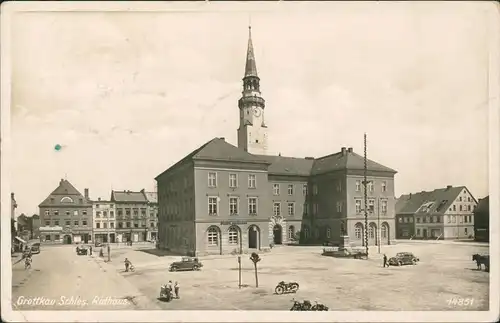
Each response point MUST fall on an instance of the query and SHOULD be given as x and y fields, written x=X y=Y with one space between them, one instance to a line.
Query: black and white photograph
x=250 y=159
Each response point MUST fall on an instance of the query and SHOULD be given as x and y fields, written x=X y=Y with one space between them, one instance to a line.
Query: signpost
x=239 y=271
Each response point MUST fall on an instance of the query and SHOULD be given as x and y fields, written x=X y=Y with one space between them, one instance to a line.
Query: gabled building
x=445 y=213
x=66 y=215
x=131 y=215
x=221 y=198
x=482 y=220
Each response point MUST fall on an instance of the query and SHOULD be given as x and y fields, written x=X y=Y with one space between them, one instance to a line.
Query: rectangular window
x=47 y=223
x=47 y=212
x=468 y=207
x=104 y=225
x=233 y=205
x=454 y=207
x=371 y=205
x=465 y=230
x=76 y=222
x=233 y=180
x=212 y=206
x=339 y=206
x=127 y=212
x=411 y=220
x=120 y=225
x=358 y=206
x=84 y=223
x=290 y=189
x=56 y=222
x=252 y=205
x=252 y=181
x=136 y=212
x=276 y=189
x=383 y=206
x=358 y=186
x=105 y=214
x=212 y=179
x=75 y=213
x=424 y=219
x=315 y=189
x=98 y=225
x=438 y=219
x=57 y=237
x=460 y=207
x=306 y=209
x=291 y=208
x=315 y=208
x=67 y=213
x=47 y=237
x=68 y=222
x=128 y=224
x=112 y=225
x=98 y=214
x=418 y=232
x=120 y=212
x=136 y=225
x=418 y=220
x=56 y=212
x=277 y=208
x=304 y=189
x=111 y=214
x=384 y=186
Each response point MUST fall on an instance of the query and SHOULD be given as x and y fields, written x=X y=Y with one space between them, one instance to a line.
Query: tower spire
x=250 y=66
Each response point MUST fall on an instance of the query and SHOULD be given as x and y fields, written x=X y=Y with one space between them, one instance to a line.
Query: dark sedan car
x=81 y=250
x=186 y=263
x=403 y=258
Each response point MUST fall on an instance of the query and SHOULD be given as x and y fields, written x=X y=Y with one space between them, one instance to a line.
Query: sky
x=128 y=94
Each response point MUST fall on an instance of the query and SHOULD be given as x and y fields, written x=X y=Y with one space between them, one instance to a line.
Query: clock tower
x=252 y=133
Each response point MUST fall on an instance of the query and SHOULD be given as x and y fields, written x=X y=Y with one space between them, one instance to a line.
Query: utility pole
x=239 y=272
x=365 y=184
x=378 y=225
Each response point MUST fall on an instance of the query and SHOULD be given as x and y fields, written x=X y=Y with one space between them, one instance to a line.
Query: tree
x=255 y=259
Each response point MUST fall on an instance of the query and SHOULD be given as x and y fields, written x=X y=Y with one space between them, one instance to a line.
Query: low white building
x=104 y=221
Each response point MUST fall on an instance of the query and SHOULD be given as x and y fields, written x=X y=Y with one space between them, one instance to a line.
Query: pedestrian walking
x=90 y=250
x=385 y=261
x=176 y=289
x=127 y=264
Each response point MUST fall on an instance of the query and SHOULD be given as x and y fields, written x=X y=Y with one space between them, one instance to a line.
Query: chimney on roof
x=349 y=150
x=86 y=193
x=62 y=180
x=343 y=150
x=448 y=187
x=98 y=198
x=222 y=138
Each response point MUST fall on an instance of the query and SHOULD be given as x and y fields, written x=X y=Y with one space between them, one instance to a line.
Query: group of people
x=169 y=288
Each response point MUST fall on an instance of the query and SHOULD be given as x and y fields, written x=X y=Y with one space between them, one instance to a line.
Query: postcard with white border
x=246 y=161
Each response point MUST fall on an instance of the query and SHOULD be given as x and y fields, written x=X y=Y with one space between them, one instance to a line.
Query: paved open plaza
x=444 y=275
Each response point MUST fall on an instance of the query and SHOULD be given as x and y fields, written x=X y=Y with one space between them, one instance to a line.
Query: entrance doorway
x=277 y=234
x=424 y=233
x=67 y=239
x=253 y=237
x=112 y=237
x=86 y=238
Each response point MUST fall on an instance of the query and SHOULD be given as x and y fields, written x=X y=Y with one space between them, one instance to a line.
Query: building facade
x=104 y=221
x=482 y=220
x=152 y=198
x=445 y=213
x=66 y=215
x=222 y=198
x=132 y=216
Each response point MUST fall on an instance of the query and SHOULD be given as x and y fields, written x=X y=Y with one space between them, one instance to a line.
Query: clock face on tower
x=256 y=112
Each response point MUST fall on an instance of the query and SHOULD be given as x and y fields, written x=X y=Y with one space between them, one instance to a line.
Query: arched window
x=328 y=233
x=213 y=237
x=371 y=231
x=358 y=231
x=291 y=232
x=233 y=236
x=66 y=199
x=384 y=230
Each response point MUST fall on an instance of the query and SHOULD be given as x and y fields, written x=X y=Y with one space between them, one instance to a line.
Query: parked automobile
x=82 y=250
x=403 y=258
x=34 y=246
x=186 y=263
x=344 y=253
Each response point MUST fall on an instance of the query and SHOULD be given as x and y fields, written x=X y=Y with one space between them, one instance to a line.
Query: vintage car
x=403 y=258
x=186 y=263
x=344 y=253
x=34 y=246
x=82 y=250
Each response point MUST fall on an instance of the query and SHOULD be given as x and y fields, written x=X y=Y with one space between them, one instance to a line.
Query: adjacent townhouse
x=66 y=215
x=482 y=220
x=132 y=216
x=104 y=221
x=445 y=213
x=152 y=198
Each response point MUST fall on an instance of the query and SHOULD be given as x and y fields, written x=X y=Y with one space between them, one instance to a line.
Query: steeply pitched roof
x=442 y=199
x=346 y=160
x=250 y=66
x=65 y=188
x=218 y=149
x=483 y=206
x=128 y=196
x=288 y=165
x=152 y=197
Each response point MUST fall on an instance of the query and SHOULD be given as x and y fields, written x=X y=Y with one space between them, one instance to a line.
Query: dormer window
x=66 y=199
x=426 y=207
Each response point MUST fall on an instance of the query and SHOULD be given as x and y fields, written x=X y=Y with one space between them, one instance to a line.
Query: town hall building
x=223 y=198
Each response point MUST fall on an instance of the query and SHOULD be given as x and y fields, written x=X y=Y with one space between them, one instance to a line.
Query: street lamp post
x=365 y=184
x=378 y=226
